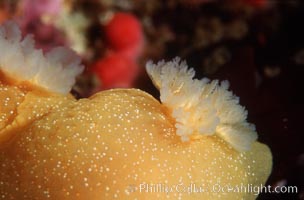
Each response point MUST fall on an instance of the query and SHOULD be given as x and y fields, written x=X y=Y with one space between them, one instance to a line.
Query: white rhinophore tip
x=201 y=107
x=54 y=71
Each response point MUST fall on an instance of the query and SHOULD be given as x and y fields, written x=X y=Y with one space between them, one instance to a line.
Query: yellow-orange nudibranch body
x=122 y=143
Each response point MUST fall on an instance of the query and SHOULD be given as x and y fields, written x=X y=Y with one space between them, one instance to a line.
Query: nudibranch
x=121 y=143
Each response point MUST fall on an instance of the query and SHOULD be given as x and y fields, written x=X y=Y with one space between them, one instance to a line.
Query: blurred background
x=258 y=45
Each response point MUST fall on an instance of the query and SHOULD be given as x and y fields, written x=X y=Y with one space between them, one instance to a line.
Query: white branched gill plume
x=54 y=71
x=201 y=107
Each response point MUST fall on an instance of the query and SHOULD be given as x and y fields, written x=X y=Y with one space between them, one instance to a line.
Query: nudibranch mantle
x=201 y=107
x=56 y=147
x=54 y=71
